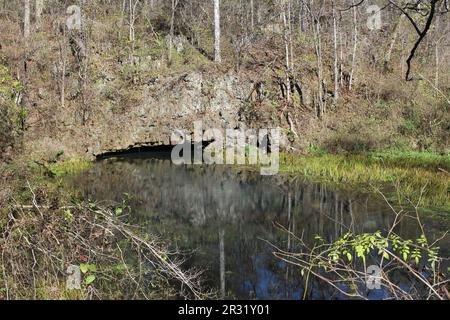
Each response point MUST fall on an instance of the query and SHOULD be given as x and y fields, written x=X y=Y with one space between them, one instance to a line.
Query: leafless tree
x=39 y=7
x=26 y=19
x=423 y=9
x=355 y=45
x=172 y=22
x=336 y=72
x=415 y=11
x=287 y=45
x=217 y=37
x=132 y=17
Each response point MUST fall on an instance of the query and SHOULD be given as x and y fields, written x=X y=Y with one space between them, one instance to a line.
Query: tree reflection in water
x=209 y=209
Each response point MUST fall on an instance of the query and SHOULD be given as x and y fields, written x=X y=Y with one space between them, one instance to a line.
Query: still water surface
x=225 y=217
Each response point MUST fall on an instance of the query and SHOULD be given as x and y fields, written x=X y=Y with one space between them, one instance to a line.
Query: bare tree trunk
x=26 y=19
x=422 y=34
x=318 y=48
x=252 y=10
x=131 y=28
x=132 y=20
x=217 y=54
x=394 y=39
x=26 y=34
x=341 y=58
x=286 y=46
x=122 y=19
x=355 y=44
x=336 y=72
x=291 y=46
x=436 y=48
x=39 y=7
x=315 y=24
x=436 y=76
x=301 y=25
x=62 y=69
x=402 y=63
x=172 y=26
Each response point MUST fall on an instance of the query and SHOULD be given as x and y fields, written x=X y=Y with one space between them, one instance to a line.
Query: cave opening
x=160 y=151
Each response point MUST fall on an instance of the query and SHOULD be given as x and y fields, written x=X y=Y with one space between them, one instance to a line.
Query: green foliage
x=89 y=270
x=316 y=150
x=363 y=245
x=408 y=126
x=124 y=206
x=85 y=268
x=411 y=159
x=8 y=86
x=69 y=167
x=89 y=279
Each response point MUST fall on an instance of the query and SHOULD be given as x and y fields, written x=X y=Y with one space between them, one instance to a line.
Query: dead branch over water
x=40 y=241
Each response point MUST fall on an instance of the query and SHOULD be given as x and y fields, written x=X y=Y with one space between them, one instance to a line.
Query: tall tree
x=217 y=53
x=39 y=7
x=336 y=72
x=423 y=10
x=416 y=11
x=252 y=13
x=355 y=44
x=132 y=25
x=315 y=14
x=172 y=27
x=26 y=19
x=285 y=14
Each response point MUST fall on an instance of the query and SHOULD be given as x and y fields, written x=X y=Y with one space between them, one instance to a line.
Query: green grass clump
x=412 y=174
x=69 y=167
x=411 y=159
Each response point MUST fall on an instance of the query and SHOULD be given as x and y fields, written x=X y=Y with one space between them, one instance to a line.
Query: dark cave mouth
x=163 y=151
x=159 y=151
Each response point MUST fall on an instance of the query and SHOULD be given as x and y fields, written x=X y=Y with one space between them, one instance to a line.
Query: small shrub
x=408 y=126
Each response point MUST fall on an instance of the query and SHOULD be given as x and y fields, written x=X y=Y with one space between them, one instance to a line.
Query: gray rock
x=172 y=103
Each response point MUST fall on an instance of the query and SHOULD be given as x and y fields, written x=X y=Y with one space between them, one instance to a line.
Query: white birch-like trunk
x=355 y=44
x=252 y=9
x=336 y=72
x=26 y=19
x=286 y=46
x=39 y=7
x=394 y=39
x=341 y=57
x=217 y=53
x=172 y=25
x=436 y=76
x=318 y=46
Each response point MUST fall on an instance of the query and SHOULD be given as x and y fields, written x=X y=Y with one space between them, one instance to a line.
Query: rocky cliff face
x=158 y=107
x=168 y=105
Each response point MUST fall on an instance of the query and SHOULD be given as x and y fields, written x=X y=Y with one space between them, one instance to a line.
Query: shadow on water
x=224 y=217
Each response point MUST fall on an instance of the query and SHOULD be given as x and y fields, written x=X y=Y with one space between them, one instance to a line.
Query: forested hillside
x=337 y=75
x=93 y=205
